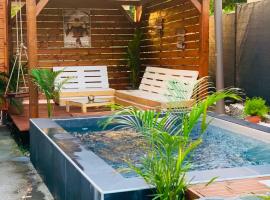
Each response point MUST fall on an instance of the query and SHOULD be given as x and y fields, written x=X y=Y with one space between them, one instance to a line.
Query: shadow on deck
x=22 y=121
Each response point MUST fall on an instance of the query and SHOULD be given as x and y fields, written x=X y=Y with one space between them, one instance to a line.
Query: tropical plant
x=169 y=143
x=265 y=197
x=228 y=5
x=45 y=79
x=183 y=90
x=256 y=106
x=133 y=58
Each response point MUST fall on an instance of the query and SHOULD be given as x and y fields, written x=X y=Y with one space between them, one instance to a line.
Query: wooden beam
x=138 y=13
x=204 y=38
x=6 y=6
x=134 y=3
x=126 y=14
x=197 y=4
x=41 y=4
x=31 y=18
x=143 y=2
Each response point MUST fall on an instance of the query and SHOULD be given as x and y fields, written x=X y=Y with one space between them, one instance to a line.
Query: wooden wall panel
x=3 y=36
x=162 y=51
x=110 y=32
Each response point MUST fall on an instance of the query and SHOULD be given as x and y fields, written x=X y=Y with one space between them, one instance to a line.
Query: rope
x=21 y=50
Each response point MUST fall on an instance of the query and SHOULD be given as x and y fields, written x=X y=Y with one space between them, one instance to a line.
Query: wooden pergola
x=34 y=8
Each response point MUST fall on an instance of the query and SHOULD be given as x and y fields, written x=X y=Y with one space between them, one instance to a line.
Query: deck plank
x=22 y=121
x=232 y=188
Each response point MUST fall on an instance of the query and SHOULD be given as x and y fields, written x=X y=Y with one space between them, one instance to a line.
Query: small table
x=85 y=103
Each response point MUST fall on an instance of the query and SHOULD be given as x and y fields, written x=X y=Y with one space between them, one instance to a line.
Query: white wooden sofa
x=84 y=81
x=153 y=91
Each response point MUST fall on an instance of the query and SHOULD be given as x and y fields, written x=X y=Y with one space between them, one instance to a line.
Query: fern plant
x=256 y=107
x=170 y=145
x=133 y=58
x=45 y=79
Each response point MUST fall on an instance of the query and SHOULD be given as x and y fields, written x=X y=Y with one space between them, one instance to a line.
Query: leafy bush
x=228 y=5
x=256 y=107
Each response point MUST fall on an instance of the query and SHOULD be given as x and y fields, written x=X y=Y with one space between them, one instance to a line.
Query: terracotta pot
x=254 y=119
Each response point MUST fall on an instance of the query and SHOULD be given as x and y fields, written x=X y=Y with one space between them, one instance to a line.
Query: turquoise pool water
x=220 y=148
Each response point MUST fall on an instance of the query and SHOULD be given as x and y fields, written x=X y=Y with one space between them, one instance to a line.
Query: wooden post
x=138 y=13
x=9 y=35
x=32 y=55
x=204 y=38
x=6 y=57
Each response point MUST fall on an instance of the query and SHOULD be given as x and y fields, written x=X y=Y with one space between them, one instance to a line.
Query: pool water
x=225 y=149
x=220 y=148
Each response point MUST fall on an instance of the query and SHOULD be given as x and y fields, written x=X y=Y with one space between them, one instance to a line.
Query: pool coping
x=240 y=122
x=194 y=176
x=225 y=174
x=138 y=181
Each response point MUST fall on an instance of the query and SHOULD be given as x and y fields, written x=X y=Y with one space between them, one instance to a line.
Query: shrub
x=256 y=107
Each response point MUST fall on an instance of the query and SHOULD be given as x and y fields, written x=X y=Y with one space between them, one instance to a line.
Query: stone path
x=18 y=179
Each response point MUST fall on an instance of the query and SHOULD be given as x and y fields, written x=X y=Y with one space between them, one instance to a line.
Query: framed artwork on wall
x=77 y=28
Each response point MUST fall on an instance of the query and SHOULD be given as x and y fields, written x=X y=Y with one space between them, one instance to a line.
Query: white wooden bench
x=153 y=91
x=84 y=81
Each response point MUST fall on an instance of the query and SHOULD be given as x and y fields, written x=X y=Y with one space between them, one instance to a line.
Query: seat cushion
x=147 y=100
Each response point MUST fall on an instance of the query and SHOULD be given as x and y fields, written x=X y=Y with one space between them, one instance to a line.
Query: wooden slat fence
x=162 y=51
x=110 y=32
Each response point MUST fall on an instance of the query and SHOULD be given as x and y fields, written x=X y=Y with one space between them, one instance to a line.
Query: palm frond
x=46 y=81
x=168 y=137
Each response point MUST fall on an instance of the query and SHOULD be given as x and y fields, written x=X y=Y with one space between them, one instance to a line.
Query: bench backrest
x=156 y=80
x=83 y=78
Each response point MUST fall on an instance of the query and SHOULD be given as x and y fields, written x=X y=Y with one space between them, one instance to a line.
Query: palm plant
x=182 y=90
x=45 y=79
x=170 y=145
x=133 y=57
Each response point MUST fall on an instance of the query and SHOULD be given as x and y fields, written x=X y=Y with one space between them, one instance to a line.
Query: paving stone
x=18 y=178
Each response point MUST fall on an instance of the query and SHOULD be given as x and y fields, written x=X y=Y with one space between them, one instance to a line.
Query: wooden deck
x=233 y=188
x=22 y=121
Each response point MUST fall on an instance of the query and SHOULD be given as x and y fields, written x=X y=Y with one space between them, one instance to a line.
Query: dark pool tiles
x=78 y=187
x=130 y=195
x=59 y=175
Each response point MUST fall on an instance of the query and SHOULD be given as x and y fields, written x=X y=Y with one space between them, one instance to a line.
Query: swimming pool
x=221 y=148
x=229 y=151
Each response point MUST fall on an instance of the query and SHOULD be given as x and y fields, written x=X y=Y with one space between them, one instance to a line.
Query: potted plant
x=45 y=79
x=255 y=109
x=133 y=58
x=14 y=105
